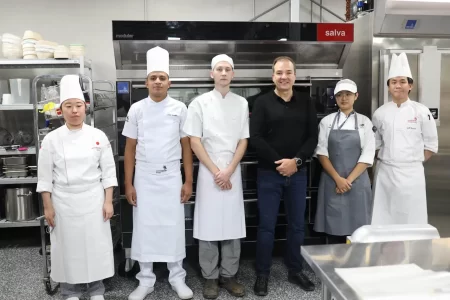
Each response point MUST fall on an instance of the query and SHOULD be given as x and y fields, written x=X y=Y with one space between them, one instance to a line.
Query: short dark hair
x=148 y=75
x=85 y=106
x=410 y=81
x=283 y=58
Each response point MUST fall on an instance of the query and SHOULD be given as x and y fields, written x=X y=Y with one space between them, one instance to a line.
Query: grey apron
x=342 y=214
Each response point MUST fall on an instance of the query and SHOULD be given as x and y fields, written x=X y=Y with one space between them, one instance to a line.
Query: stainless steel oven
x=253 y=47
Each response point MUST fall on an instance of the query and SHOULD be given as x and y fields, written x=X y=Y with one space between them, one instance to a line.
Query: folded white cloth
x=397 y=282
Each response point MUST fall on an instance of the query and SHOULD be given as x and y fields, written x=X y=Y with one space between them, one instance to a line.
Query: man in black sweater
x=284 y=133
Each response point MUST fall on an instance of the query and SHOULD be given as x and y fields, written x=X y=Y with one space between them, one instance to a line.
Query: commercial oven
x=253 y=47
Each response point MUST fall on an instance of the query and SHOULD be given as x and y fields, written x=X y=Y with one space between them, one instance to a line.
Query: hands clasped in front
x=287 y=167
x=343 y=185
x=222 y=179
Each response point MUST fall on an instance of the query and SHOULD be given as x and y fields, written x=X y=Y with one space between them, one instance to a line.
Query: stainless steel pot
x=21 y=205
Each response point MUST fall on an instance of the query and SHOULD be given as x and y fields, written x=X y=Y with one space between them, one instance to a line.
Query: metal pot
x=14 y=160
x=20 y=205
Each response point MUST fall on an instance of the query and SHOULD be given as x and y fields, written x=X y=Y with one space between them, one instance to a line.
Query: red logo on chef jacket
x=413 y=120
x=335 y=32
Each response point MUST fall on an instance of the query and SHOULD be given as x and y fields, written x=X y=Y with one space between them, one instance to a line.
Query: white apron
x=399 y=194
x=158 y=218
x=81 y=242
x=219 y=214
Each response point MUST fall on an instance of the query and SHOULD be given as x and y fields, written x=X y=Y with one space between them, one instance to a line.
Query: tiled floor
x=21 y=279
x=21 y=273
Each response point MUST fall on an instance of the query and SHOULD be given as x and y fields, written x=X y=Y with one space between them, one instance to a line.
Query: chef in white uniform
x=406 y=137
x=346 y=148
x=217 y=124
x=155 y=145
x=76 y=176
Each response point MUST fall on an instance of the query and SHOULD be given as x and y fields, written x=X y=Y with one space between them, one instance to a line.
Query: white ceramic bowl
x=11 y=38
x=30 y=57
x=31 y=35
x=12 y=54
x=44 y=55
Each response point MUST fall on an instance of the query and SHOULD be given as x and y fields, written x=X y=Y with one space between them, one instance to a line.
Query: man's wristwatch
x=298 y=161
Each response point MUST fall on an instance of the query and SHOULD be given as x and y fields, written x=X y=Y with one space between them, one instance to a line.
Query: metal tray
x=14 y=160
x=15 y=174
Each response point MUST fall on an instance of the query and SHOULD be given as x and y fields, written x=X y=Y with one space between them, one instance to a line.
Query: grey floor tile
x=21 y=276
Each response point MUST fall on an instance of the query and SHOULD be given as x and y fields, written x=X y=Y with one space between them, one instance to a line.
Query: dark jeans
x=271 y=188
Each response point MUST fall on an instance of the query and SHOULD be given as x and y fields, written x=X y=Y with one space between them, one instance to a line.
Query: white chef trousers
x=147 y=278
x=95 y=288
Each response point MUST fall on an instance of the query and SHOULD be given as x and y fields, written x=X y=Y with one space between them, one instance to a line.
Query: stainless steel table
x=323 y=259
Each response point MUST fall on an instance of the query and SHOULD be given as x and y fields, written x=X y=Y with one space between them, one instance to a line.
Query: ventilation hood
x=318 y=49
x=412 y=18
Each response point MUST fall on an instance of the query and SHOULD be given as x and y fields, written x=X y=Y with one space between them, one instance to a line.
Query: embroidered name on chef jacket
x=411 y=124
x=164 y=169
x=413 y=120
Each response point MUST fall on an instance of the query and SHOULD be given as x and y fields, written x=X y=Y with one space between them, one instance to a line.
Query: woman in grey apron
x=345 y=150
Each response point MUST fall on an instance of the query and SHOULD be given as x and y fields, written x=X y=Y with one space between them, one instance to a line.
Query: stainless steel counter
x=323 y=259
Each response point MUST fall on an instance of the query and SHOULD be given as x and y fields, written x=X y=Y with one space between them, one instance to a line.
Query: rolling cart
x=50 y=288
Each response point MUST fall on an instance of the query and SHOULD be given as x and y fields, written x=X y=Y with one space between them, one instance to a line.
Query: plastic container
x=20 y=90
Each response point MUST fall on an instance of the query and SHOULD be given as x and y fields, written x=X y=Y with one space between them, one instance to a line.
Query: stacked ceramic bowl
x=62 y=52
x=11 y=46
x=76 y=50
x=29 y=41
x=45 y=49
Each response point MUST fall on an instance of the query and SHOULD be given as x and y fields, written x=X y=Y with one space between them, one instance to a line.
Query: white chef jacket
x=54 y=165
x=403 y=133
x=219 y=121
x=366 y=135
x=156 y=146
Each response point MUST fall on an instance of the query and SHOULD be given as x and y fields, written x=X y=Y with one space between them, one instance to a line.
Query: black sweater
x=280 y=129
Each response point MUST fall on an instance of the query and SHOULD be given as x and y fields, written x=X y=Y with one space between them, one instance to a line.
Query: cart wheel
x=48 y=288
x=131 y=273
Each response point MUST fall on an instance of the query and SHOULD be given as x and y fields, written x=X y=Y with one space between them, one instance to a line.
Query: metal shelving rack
x=81 y=64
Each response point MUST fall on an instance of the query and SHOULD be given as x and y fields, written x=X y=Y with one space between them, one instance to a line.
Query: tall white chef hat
x=345 y=85
x=399 y=66
x=157 y=60
x=70 y=88
x=221 y=57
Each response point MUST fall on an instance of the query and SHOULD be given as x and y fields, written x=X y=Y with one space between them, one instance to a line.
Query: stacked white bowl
x=61 y=52
x=45 y=49
x=29 y=41
x=76 y=50
x=11 y=46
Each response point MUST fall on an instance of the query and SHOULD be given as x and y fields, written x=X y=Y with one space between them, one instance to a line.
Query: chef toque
x=70 y=89
x=399 y=66
x=157 y=60
x=345 y=85
x=219 y=58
